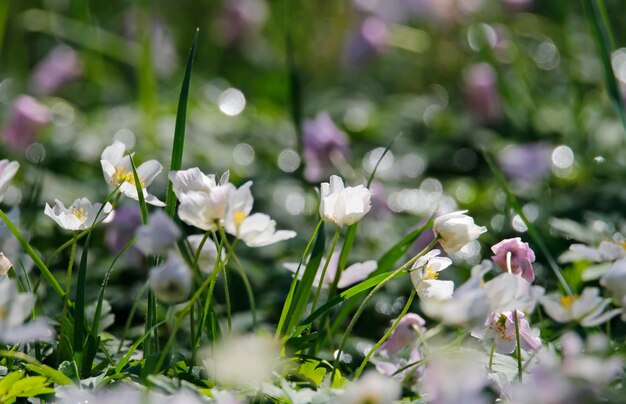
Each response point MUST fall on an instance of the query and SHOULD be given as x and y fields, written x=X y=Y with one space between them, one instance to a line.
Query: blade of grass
x=120 y=365
x=179 y=130
x=532 y=230
x=595 y=13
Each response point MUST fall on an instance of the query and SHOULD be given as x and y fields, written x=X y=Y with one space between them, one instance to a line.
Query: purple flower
x=27 y=117
x=500 y=327
x=526 y=163
x=520 y=257
x=121 y=230
x=239 y=19
x=322 y=141
x=369 y=40
x=404 y=335
x=61 y=65
x=481 y=91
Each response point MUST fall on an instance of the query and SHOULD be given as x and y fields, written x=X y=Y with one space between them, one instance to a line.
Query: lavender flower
x=481 y=90
x=517 y=255
x=526 y=164
x=27 y=117
x=368 y=41
x=321 y=140
x=61 y=65
x=404 y=335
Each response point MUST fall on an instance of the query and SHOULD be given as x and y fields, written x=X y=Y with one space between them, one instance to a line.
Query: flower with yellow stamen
x=80 y=215
x=425 y=276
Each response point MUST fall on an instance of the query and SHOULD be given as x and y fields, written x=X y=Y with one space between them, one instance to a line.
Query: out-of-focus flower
x=607 y=251
x=322 y=143
x=372 y=388
x=239 y=19
x=7 y=172
x=392 y=366
x=501 y=328
x=527 y=163
x=243 y=361
x=517 y=5
x=118 y=171
x=171 y=281
x=5 y=264
x=481 y=90
x=405 y=334
x=80 y=215
x=61 y=65
x=343 y=205
x=15 y=308
x=508 y=292
x=158 y=235
x=353 y=274
x=27 y=117
x=586 y=309
x=514 y=255
x=203 y=201
x=425 y=274
x=454 y=378
x=456 y=229
x=580 y=365
x=468 y=306
x=615 y=281
x=121 y=229
x=123 y=393
x=369 y=40
x=208 y=254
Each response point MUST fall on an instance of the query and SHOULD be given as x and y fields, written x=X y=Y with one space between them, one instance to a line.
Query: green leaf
x=179 y=130
x=52 y=374
x=312 y=371
x=133 y=348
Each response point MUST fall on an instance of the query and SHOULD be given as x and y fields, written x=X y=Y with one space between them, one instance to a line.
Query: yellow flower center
x=430 y=274
x=567 y=301
x=3 y=313
x=123 y=175
x=79 y=213
x=238 y=217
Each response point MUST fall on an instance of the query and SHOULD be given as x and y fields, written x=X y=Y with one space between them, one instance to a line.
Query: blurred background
x=287 y=93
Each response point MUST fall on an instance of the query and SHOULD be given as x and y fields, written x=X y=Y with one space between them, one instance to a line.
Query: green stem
x=370 y=295
x=229 y=319
x=493 y=349
x=68 y=279
x=328 y=258
x=65 y=245
x=386 y=336
x=519 y=347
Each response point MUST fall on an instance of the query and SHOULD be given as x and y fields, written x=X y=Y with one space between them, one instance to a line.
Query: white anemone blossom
x=586 y=309
x=425 y=274
x=343 y=205
x=15 y=308
x=208 y=253
x=80 y=215
x=7 y=172
x=351 y=275
x=456 y=229
x=119 y=172
x=171 y=281
x=203 y=201
x=5 y=264
x=159 y=234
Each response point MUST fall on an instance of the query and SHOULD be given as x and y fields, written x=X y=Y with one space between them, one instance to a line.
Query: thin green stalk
x=493 y=349
x=33 y=255
x=131 y=314
x=65 y=245
x=68 y=279
x=519 y=347
x=229 y=319
x=328 y=258
x=370 y=295
x=386 y=336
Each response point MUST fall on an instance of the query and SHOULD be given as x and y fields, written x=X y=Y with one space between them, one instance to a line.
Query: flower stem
x=493 y=349
x=386 y=336
x=68 y=279
x=328 y=258
x=519 y=348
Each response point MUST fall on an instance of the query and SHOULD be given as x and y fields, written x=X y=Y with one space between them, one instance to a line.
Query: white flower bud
x=5 y=264
x=341 y=205
x=455 y=230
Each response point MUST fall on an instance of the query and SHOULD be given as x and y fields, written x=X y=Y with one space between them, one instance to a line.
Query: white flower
x=7 y=172
x=372 y=388
x=425 y=274
x=586 y=309
x=508 y=292
x=208 y=254
x=15 y=308
x=80 y=215
x=456 y=229
x=118 y=170
x=171 y=281
x=341 y=205
x=243 y=361
x=615 y=281
x=5 y=264
x=255 y=230
x=203 y=202
x=158 y=235
x=353 y=274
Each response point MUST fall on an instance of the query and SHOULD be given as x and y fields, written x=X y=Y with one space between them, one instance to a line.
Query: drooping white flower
x=15 y=308
x=456 y=229
x=171 y=281
x=7 y=172
x=586 y=309
x=343 y=205
x=118 y=171
x=203 y=202
x=5 y=264
x=243 y=361
x=353 y=274
x=80 y=215
x=158 y=235
x=425 y=274
x=372 y=388
x=208 y=254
